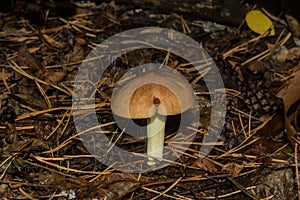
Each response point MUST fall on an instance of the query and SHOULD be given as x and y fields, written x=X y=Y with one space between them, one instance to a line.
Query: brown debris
x=25 y=59
x=110 y=192
x=233 y=168
x=291 y=96
x=206 y=165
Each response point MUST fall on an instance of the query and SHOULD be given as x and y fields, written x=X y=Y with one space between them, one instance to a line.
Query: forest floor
x=42 y=152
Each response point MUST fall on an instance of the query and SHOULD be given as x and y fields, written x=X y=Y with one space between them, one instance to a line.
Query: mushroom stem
x=155 y=132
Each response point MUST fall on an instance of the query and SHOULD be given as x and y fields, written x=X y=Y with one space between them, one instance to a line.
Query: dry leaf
x=294 y=28
x=121 y=176
x=78 y=53
x=205 y=165
x=250 y=70
x=14 y=32
x=233 y=168
x=32 y=100
x=55 y=77
x=280 y=54
x=260 y=149
x=259 y=23
x=53 y=43
x=37 y=68
x=293 y=25
x=278 y=183
x=290 y=95
x=257 y=150
x=257 y=66
x=26 y=59
x=113 y=191
x=293 y=53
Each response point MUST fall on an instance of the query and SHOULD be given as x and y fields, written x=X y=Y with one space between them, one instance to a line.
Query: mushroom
x=153 y=95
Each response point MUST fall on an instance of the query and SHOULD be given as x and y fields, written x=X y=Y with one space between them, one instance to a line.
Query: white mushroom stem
x=156 y=134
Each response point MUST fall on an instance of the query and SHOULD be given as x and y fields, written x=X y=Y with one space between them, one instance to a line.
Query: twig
x=67 y=141
x=18 y=69
x=64 y=128
x=229 y=194
x=26 y=194
x=42 y=160
x=168 y=189
x=58 y=125
x=47 y=168
x=166 y=195
x=243 y=189
x=240 y=47
x=11 y=158
x=240 y=146
x=84 y=109
x=4 y=81
x=274 y=18
x=194 y=178
x=43 y=93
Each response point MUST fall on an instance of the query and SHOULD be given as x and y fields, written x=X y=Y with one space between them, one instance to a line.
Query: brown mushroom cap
x=160 y=92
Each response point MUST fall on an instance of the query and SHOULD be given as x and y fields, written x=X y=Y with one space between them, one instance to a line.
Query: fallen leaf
x=290 y=95
x=52 y=42
x=124 y=176
x=257 y=66
x=280 y=54
x=32 y=100
x=293 y=53
x=294 y=27
x=15 y=32
x=58 y=181
x=260 y=149
x=278 y=183
x=257 y=150
x=114 y=191
x=233 y=168
x=259 y=23
x=77 y=54
x=26 y=59
x=249 y=71
x=16 y=147
x=38 y=69
x=205 y=165
x=55 y=77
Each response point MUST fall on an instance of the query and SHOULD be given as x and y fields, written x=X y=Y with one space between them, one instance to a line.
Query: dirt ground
x=43 y=156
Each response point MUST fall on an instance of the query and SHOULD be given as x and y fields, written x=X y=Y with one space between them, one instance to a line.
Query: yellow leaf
x=259 y=23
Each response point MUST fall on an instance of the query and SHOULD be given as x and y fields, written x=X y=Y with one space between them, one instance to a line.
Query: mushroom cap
x=155 y=92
